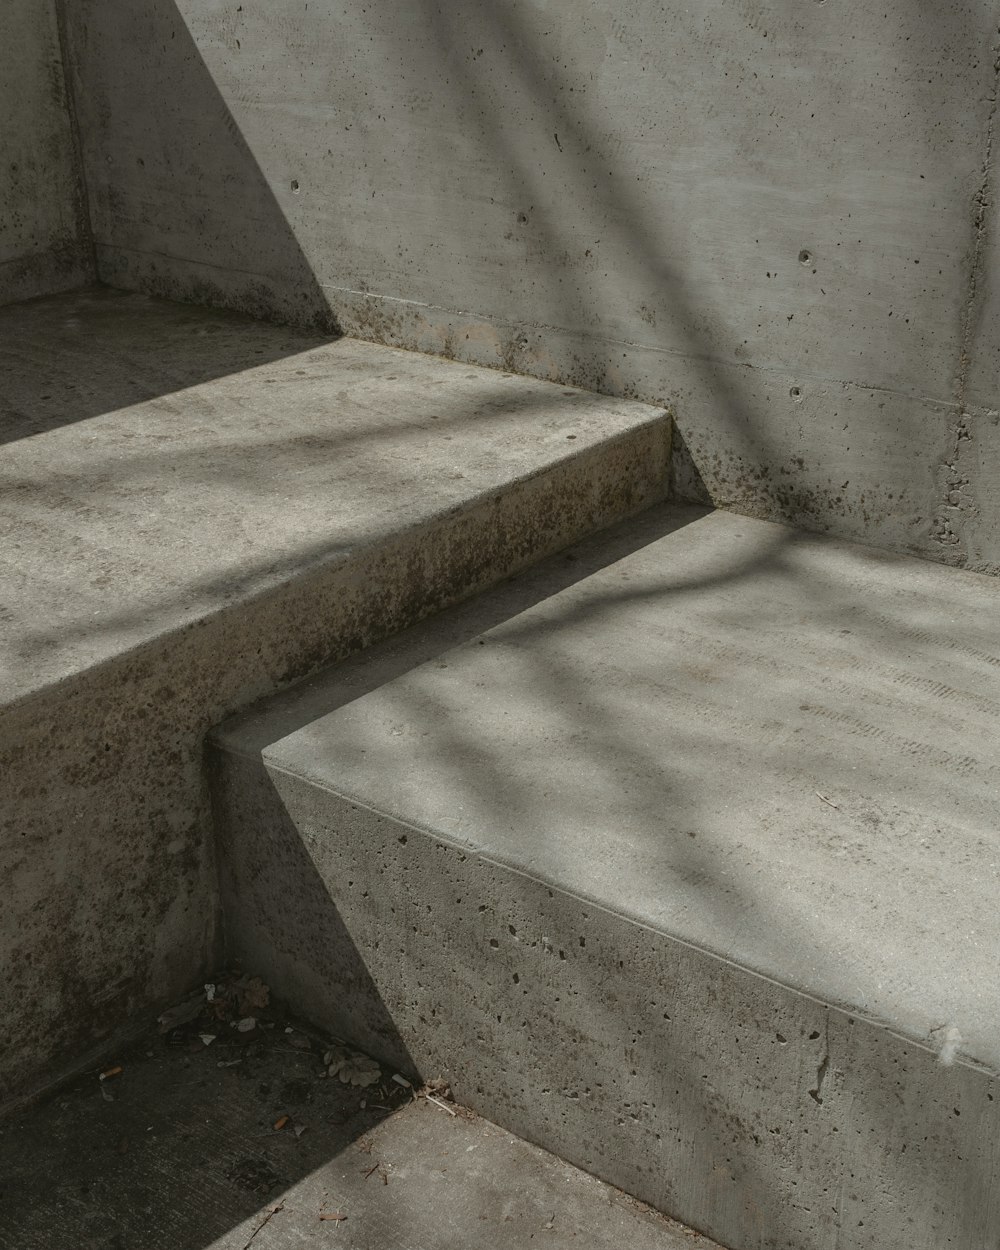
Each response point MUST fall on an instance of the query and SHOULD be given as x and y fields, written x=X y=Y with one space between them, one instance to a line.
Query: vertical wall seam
x=981 y=202
x=84 y=216
x=955 y=497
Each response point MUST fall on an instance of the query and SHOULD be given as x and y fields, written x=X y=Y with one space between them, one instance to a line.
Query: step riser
x=673 y=1074
x=102 y=772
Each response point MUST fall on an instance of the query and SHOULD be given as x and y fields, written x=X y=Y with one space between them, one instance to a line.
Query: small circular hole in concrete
x=805 y=256
x=295 y=186
x=795 y=393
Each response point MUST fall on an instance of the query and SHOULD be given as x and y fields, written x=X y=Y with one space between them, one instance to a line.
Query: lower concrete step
x=196 y=509
x=677 y=856
x=246 y=1142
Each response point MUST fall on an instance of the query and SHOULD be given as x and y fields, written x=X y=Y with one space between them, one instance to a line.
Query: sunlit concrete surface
x=196 y=508
x=680 y=858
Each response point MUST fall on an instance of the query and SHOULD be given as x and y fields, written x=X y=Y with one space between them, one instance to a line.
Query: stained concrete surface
x=179 y=1152
x=195 y=510
x=681 y=869
x=44 y=225
x=778 y=219
x=153 y=451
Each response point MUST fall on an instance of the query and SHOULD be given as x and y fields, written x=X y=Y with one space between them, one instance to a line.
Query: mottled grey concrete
x=44 y=229
x=196 y=509
x=184 y=1156
x=779 y=219
x=682 y=870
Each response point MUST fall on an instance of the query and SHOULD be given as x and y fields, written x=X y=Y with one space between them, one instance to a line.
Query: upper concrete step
x=679 y=856
x=195 y=509
x=163 y=462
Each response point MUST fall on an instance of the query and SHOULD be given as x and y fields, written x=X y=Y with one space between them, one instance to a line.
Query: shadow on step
x=182 y=210
x=607 y=919
x=189 y=1146
x=67 y=358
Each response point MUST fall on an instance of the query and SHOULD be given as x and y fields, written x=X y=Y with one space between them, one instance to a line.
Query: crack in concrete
x=955 y=498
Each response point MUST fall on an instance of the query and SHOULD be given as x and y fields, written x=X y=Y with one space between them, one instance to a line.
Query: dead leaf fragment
x=254 y=994
x=359 y=1071
x=332 y=1215
x=280 y=1122
x=183 y=1013
x=335 y=1058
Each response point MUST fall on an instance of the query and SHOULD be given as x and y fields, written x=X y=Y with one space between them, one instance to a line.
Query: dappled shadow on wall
x=181 y=211
x=180 y=205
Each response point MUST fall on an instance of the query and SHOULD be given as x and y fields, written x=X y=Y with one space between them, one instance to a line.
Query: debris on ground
x=437 y=1092
x=272 y=1212
x=438 y=1103
x=352 y=1067
x=182 y=1014
x=254 y=995
x=332 y=1215
x=108 y=1073
x=236 y=1013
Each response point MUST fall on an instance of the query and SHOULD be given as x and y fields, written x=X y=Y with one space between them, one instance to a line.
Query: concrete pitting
x=214 y=508
x=650 y=868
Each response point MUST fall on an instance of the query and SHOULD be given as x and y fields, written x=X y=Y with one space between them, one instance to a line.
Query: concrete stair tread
x=163 y=463
x=198 y=509
x=777 y=748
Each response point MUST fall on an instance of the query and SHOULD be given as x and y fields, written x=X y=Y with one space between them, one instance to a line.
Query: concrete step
x=196 y=509
x=678 y=856
x=247 y=1142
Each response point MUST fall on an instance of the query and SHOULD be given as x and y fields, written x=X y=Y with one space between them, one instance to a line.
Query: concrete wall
x=44 y=234
x=775 y=215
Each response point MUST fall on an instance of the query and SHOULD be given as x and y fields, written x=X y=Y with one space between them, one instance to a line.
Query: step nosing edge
x=492 y=857
x=565 y=463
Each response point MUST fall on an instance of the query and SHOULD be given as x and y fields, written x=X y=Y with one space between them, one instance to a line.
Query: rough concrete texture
x=679 y=857
x=778 y=219
x=179 y=1152
x=44 y=231
x=195 y=510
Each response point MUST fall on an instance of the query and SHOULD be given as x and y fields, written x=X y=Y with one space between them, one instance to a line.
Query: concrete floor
x=179 y=1152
